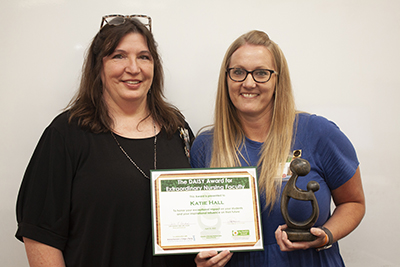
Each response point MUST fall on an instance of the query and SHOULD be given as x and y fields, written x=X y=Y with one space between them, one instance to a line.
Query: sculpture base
x=296 y=235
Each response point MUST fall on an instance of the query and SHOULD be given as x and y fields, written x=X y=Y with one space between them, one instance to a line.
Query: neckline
x=252 y=143
x=138 y=139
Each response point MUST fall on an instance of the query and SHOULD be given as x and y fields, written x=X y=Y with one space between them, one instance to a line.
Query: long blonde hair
x=228 y=133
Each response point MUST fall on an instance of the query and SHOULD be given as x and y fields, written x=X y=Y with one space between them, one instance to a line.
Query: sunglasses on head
x=115 y=20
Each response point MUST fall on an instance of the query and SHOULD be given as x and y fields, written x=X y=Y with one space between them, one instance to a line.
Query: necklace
x=131 y=160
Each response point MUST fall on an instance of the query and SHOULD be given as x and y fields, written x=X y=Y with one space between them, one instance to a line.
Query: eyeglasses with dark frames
x=259 y=75
x=117 y=19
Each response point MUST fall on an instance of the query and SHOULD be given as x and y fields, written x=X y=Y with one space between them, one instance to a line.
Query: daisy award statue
x=299 y=230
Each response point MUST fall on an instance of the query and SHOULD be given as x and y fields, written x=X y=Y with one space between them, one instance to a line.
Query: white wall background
x=343 y=56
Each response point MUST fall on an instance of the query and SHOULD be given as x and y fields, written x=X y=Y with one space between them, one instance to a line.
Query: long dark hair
x=88 y=105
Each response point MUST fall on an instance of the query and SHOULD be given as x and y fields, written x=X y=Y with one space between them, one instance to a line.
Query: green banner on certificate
x=202 y=209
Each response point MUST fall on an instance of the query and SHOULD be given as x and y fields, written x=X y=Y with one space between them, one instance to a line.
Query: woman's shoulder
x=61 y=119
x=203 y=140
x=64 y=126
x=320 y=131
x=201 y=149
x=315 y=122
x=311 y=117
x=204 y=136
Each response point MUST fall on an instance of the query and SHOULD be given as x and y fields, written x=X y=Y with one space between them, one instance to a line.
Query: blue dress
x=333 y=162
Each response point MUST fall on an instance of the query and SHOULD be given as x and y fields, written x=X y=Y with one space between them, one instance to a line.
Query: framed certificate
x=203 y=209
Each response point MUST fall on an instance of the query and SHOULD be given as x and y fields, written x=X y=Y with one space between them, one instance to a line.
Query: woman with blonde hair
x=256 y=124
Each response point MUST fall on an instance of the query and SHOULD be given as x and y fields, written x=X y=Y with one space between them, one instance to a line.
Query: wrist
x=328 y=240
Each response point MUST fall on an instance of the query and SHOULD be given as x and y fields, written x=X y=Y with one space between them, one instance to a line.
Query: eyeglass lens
x=116 y=20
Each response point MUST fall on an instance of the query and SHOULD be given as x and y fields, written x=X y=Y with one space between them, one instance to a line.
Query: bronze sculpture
x=299 y=230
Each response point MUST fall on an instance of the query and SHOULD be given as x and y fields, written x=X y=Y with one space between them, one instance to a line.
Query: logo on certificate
x=241 y=233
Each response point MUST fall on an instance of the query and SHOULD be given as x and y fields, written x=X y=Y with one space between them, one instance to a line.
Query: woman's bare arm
x=42 y=255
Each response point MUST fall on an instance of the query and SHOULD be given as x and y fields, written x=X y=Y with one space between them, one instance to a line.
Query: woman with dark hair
x=256 y=124
x=85 y=197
